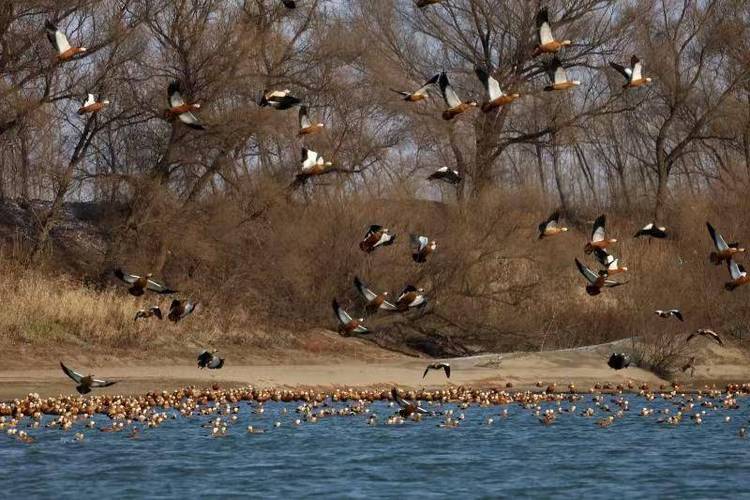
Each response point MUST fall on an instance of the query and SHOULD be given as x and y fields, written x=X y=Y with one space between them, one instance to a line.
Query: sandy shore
x=583 y=367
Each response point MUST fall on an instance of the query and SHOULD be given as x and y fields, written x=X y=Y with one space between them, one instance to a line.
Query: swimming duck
x=148 y=313
x=559 y=77
x=551 y=227
x=179 y=309
x=597 y=236
x=652 y=230
x=408 y=408
x=723 y=251
x=421 y=247
x=438 y=366
x=376 y=236
x=141 y=283
x=670 y=313
x=633 y=74
x=618 y=361
x=596 y=281
x=279 y=99
x=738 y=274
x=60 y=42
x=374 y=301
x=705 y=332
x=85 y=383
x=181 y=109
x=347 y=324
x=421 y=93
x=547 y=44
x=306 y=127
x=610 y=263
x=455 y=105
x=445 y=174
x=92 y=105
x=495 y=96
x=411 y=297
x=209 y=359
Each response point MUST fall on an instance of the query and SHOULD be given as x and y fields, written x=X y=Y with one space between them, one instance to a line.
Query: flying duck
x=559 y=77
x=551 y=227
x=618 y=361
x=312 y=164
x=279 y=99
x=495 y=96
x=445 y=174
x=347 y=324
x=374 y=301
x=455 y=105
x=92 y=105
x=376 y=236
x=424 y=3
x=596 y=281
x=652 y=231
x=633 y=74
x=306 y=127
x=421 y=93
x=597 y=236
x=421 y=247
x=723 y=251
x=438 y=366
x=181 y=109
x=179 y=309
x=737 y=273
x=141 y=283
x=153 y=311
x=705 y=332
x=408 y=408
x=289 y=4
x=671 y=313
x=547 y=44
x=209 y=359
x=610 y=263
x=411 y=297
x=60 y=42
x=85 y=384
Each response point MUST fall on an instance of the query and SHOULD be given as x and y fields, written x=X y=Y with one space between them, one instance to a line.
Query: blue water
x=343 y=457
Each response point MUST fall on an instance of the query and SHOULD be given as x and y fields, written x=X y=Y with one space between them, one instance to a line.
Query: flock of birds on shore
x=377 y=236
x=219 y=410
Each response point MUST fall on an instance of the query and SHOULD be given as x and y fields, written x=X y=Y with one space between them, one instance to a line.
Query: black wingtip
x=50 y=25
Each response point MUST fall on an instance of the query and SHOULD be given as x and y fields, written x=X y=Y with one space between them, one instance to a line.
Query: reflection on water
x=345 y=457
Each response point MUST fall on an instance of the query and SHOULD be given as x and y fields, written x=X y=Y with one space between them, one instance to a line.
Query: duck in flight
x=597 y=236
x=610 y=263
x=551 y=226
x=92 y=105
x=595 y=281
x=209 y=359
x=374 y=301
x=547 y=44
x=652 y=231
x=705 y=332
x=179 y=108
x=438 y=366
x=179 y=309
x=151 y=312
x=138 y=284
x=312 y=164
x=670 y=313
x=408 y=408
x=306 y=127
x=559 y=77
x=737 y=274
x=633 y=75
x=85 y=383
x=496 y=98
x=347 y=324
x=376 y=236
x=421 y=247
x=421 y=93
x=455 y=105
x=60 y=42
x=289 y=4
x=279 y=99
x=724 y=251
x=445 y=174
x=411 y=297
